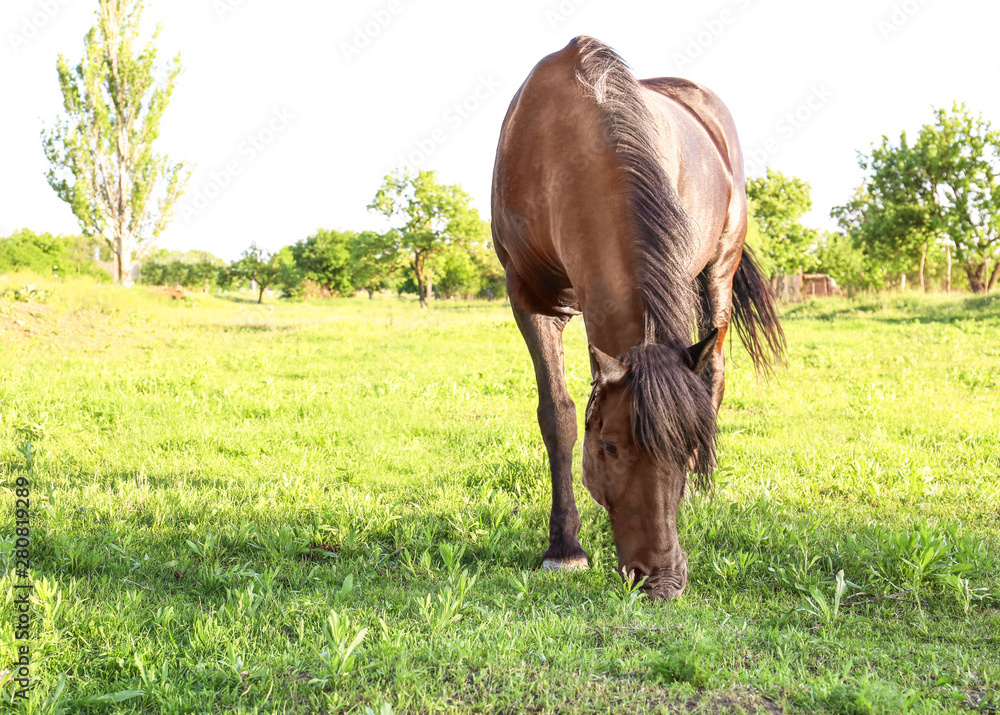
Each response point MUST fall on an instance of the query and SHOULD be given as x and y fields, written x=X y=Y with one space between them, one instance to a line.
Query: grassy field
x=341 y=506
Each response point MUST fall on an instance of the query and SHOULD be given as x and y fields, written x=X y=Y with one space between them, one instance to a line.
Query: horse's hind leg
x=716 y=311
x=557 y=420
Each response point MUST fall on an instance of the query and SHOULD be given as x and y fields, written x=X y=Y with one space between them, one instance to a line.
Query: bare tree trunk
x=418 y=268
x=371 y=293
x=902 y=283
x=975 y=274
x=994 y=274
x=947 y=275
x=923 y=261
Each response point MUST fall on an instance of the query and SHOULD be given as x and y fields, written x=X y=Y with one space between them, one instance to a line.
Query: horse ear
x=606 y=368
x=698 y=355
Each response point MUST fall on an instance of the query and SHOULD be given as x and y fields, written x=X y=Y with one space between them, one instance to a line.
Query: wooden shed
x=819 y=285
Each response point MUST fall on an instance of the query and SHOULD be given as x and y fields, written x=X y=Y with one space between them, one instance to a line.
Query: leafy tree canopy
x=325 y=258
x=430 y=218
x=101 y=156
x=941 y=188
x=777 y=203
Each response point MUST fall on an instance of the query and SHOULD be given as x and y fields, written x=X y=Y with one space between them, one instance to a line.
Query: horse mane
x=663 y=236
x=672 y=410
x=673 y=415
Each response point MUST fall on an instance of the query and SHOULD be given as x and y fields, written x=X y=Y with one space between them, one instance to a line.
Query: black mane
x=672 y=413
x=663 y=236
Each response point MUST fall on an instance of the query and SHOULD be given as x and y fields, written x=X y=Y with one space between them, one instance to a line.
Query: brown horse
x=624 y=201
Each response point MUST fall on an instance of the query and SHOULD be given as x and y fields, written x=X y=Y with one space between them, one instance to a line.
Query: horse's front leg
x=557 y=421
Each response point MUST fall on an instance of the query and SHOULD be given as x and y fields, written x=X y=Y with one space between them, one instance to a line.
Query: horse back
x=568 y=212
x=710 y=112
x=705 y=164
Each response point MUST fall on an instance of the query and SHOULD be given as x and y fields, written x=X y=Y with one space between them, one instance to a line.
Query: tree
x=290 y=276
x=492 y=279
x=838 y=256
x=962 y=156
x=266 y=269
x=889 y=217
x=432 y=217
x=759 y=243
x=470 y=270
x=83 y=252
x=101 y=154
x=375 y=260
x=325 y=258
x=778 y=202
x=941 y=189
x=457 y=274
x=226 y=278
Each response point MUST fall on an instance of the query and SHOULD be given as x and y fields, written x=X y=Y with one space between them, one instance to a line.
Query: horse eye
x=610 y=449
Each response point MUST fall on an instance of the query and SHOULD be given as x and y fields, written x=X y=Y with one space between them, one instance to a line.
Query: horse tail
x=755 y=316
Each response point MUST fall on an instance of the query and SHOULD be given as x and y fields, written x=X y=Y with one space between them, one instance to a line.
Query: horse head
x=650 y=418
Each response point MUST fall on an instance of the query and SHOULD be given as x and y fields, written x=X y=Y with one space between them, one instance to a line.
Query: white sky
x=868 y=67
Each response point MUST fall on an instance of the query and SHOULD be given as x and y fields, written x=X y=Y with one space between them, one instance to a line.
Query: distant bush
x=837 y=256
x=194 y=270
x=49 y=255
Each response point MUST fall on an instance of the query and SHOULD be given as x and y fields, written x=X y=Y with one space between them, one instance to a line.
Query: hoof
x=569 y=565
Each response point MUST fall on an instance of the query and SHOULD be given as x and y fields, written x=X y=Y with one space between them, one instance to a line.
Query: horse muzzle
x=664 y=582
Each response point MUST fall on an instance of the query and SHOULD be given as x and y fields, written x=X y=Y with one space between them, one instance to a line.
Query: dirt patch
x=172 y=292
x=34 y=323
x=489 y=691
x=738 y=699
x=18 y=320
x=986 y=701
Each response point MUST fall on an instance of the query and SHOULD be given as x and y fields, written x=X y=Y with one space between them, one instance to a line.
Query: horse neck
x=597 y=244
x=614 y=314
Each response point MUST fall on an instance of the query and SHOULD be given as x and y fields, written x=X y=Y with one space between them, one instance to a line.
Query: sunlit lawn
x=227 y=497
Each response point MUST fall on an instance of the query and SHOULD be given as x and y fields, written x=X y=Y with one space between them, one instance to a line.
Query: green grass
x=341 y=506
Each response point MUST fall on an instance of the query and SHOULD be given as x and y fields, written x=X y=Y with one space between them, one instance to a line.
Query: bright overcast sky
x=336 y=94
